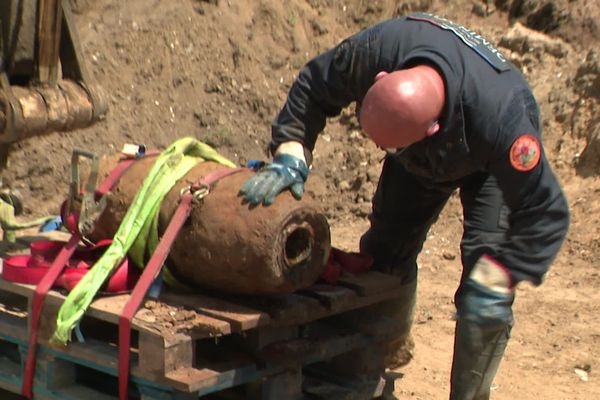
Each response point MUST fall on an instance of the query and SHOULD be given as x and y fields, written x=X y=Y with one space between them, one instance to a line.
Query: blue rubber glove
x=286 y=171
x=486 y=296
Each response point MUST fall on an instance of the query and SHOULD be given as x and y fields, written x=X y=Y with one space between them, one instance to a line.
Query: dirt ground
x=220 y=70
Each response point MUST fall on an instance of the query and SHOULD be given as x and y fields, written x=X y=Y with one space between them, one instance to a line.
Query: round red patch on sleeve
x=525 y=153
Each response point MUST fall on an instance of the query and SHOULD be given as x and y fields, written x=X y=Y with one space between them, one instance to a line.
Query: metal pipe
x=38 y=110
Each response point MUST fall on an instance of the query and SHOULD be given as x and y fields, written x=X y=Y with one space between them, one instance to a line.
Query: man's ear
x=380 y=75
x=433 y=129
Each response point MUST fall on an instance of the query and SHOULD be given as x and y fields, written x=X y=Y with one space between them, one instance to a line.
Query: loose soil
x=220 y=70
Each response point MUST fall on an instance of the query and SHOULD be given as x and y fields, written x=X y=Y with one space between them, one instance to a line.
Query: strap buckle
x=90 y=208
x=198 y=191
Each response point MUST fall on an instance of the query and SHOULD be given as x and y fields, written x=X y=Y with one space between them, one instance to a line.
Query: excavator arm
x=44 y=83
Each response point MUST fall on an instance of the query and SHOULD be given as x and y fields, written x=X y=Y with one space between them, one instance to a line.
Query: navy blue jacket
x=488 y=106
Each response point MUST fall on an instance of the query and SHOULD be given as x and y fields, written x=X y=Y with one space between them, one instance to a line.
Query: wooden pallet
x=198 y=345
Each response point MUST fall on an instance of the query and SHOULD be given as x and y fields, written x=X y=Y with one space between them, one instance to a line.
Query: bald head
x=402 y=107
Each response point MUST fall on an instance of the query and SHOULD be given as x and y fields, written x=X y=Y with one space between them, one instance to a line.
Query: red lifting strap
x=32 y=268
x=36 y=308
x=50 y=278
x=152 y=269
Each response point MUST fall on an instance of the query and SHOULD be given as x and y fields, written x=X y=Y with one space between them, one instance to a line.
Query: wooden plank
x=312 y=349
x=110 y=308
x=321 y=300
x=94 y=353
x=369 y=283
x=75 y=392
x=159 y=355
x=102 y=308
x=152 y=317
x=298 y=309
x=240 y=317
x=54 y=374
x=291 y=309
x=159 y=318
x=285 y=385
x=153 y=393
x=47 y=321
x=360 y=368
x=259 y=338
x=207 y=380
x=325 y=387
x=227 y=394
x=10 y=356
x=370 y=322
x=13 y=304
x=319 y=389
x=235 y=370
x=17 y=288
x=334 y=297
x=12 y=325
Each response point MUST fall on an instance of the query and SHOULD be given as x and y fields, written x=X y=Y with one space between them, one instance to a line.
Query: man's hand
x=286 y=171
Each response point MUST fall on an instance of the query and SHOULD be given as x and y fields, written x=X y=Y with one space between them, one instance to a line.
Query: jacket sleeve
x=539 y=217
x=325 y=85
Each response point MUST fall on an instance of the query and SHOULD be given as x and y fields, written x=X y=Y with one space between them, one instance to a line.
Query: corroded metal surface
x=226 y=245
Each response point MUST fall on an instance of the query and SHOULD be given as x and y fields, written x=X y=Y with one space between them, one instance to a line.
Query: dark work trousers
x=404 y=208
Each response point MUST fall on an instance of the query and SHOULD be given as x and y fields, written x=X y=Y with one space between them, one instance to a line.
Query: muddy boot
x=398 y=350
x=478 y=351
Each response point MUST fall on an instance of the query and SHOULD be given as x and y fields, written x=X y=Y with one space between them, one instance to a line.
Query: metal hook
x=199 y=192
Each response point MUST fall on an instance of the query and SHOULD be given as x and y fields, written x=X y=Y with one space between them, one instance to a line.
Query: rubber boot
x=478 y=351
x=398 y=349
